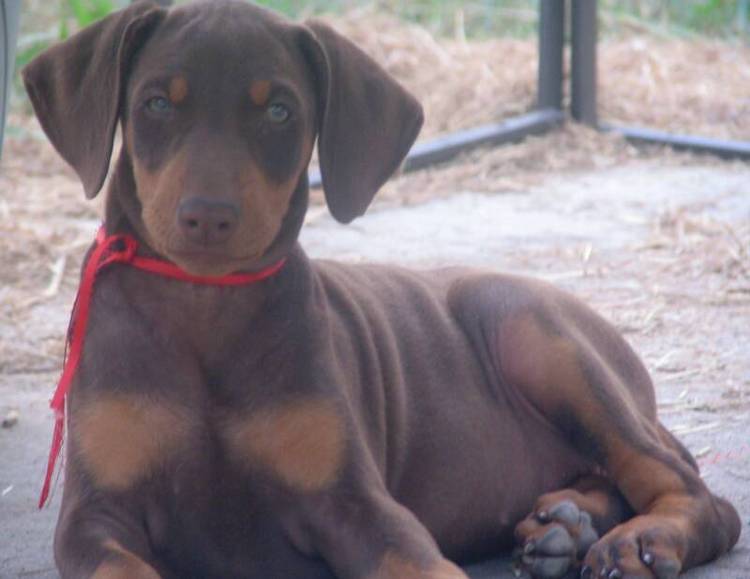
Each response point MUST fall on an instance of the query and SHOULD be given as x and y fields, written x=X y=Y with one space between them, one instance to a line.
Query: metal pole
x=718 y=147
x=10 y=11
x=551 y=50
x=583 y=62
x=742 y=13
x=446 y=147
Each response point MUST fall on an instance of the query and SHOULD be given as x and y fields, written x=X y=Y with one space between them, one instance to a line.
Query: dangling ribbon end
x=43 y=496
x=54 y=452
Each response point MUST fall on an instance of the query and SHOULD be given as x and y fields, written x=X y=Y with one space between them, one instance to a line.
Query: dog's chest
x=213 y=482
x=125 y=440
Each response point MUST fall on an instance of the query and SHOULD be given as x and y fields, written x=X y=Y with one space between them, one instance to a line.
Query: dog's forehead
x=222 y=39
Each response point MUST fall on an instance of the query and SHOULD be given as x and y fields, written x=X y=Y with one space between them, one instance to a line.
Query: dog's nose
x=206 y=221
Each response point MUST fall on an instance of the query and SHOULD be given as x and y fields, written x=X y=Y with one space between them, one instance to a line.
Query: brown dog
x=331 y=420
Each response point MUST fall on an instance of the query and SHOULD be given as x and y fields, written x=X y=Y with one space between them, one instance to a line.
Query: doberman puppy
x=331 y=420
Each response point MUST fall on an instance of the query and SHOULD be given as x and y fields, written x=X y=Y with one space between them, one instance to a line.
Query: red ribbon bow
x=116 y=249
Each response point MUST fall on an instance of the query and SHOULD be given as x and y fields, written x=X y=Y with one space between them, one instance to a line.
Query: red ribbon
x=116 y=249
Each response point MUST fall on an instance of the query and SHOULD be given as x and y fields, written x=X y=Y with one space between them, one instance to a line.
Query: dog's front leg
x=329 y=494
x=98 y=542
x=368 y=535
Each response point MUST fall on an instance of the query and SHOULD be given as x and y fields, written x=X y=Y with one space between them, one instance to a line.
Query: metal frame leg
x=10 y=12
x=583 y=62
x=551 y=54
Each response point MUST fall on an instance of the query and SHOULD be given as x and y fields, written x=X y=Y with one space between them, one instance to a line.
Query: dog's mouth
x=212 y=262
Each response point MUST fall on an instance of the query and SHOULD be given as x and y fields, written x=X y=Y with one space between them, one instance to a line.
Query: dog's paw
x=639 y=549
x=553 y=540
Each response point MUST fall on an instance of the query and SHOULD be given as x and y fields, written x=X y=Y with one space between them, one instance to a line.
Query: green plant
x=297 y=8
x=83 y=13
x=711 y=15
x=59 y=23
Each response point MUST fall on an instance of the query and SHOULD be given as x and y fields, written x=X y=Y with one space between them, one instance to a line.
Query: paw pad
x=554 y=540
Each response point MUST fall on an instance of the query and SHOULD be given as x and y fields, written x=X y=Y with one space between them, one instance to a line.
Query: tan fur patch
x=549 y=367
x=394 y=566
x=123 y=565
x=178 y=89
x=122 y=438
x=645 y=481
x=260 y=91
x=160 y=194
x=550 y=370
x=544 y=364
x=302 y=442
x=265 y=203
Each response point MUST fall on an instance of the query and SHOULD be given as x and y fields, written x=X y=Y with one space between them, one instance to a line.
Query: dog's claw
x=648 y=559
x=587 y=572
x=615 y=574
x=529 y=548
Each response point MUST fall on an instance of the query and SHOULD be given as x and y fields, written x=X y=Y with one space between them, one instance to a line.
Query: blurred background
x=727 y=19
x=679 y=65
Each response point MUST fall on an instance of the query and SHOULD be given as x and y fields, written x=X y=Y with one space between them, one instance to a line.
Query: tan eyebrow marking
x=260 y=91
x=178 y=89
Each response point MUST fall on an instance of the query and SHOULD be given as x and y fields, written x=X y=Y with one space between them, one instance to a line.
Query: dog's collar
x=124 y=249
x=111 y=249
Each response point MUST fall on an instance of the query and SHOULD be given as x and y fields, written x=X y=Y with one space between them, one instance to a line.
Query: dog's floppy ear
x=76 y=88
x=367 y=121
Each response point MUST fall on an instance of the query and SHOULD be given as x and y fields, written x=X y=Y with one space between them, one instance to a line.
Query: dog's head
x=220 y=104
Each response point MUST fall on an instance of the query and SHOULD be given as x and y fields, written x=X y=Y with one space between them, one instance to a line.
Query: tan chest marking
x=122 y=564
x=122 y=438
x=394 y=566
x=303 y=443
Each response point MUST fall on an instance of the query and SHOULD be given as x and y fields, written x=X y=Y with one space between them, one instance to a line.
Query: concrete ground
x=646 y=245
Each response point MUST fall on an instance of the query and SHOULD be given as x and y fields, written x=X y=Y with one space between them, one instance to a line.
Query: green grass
x=71 y=15
x=83 y=13
x=485 y=18
x=297 y=8
x=718 y=18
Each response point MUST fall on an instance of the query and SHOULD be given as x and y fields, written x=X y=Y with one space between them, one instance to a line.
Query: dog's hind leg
x=577 y=372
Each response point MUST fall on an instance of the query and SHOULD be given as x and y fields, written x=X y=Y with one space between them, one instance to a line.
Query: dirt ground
x=658 y=242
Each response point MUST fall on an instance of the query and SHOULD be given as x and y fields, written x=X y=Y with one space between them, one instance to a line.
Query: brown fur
x=333 y=420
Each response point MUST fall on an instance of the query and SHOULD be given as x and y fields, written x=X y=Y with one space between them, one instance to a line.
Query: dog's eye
x=158 y=104
x=277 y=113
